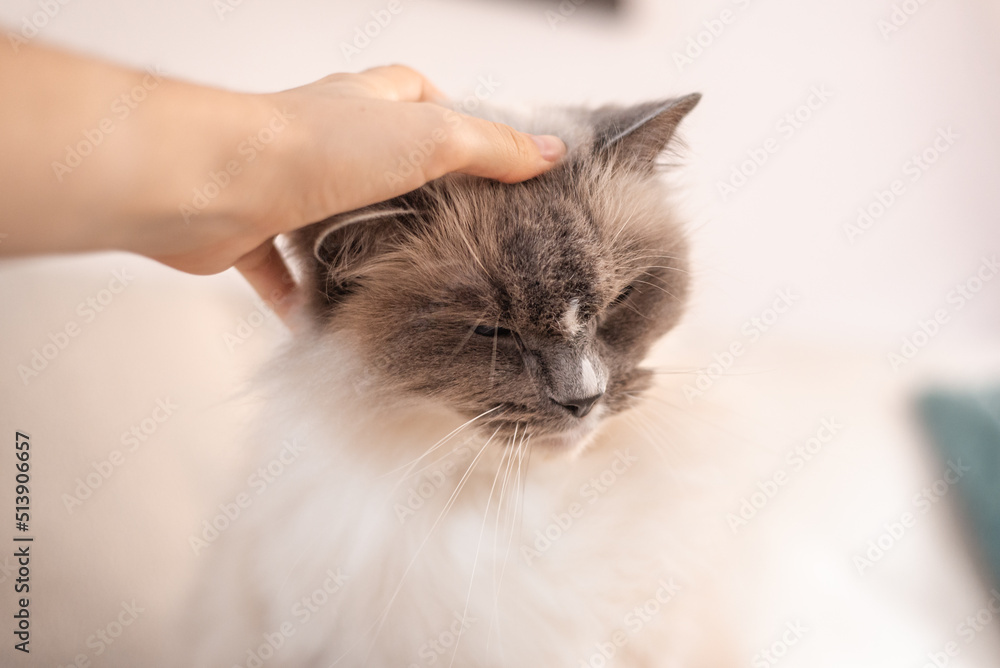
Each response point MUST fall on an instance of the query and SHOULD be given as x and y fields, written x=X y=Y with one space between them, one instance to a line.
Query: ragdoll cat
x=453 y=477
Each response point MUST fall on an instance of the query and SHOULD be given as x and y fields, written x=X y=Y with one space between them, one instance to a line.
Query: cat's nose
x=579 y=407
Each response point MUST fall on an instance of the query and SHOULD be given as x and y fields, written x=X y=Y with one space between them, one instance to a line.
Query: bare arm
x=99 y=157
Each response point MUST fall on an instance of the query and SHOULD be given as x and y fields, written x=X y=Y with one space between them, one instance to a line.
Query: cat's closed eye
x=486 y=330
x=622 y=296
x=531 y=287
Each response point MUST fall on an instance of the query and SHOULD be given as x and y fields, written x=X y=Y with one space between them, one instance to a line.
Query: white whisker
x=519 y=497
x=448 y=436
x=384 y=615
x=653 y=285
x=508 y=455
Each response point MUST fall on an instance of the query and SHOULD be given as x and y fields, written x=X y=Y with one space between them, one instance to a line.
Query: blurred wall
x=889 y=90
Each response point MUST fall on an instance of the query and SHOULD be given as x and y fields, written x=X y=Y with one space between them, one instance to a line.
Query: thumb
x=493 y=150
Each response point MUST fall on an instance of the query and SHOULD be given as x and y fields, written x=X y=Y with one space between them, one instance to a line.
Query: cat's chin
x=571 y=442
x=565 y=444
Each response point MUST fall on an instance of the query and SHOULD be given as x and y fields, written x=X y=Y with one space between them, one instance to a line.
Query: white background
x=163 y=336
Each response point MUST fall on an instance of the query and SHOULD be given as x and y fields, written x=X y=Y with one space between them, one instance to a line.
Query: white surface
x=163 y=336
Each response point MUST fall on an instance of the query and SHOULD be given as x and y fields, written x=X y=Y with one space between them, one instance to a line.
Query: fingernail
x=551 y=147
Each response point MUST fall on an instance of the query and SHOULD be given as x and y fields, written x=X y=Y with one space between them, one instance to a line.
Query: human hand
x=357 y=139
x=202 y=179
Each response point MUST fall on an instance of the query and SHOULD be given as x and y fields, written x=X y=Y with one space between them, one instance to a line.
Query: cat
x=456 y=465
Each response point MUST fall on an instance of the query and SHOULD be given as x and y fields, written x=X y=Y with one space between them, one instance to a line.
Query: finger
x=494 y=150
x=401 y=83
x=267 y=273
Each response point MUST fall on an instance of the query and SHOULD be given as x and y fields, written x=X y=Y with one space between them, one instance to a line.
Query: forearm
x=97 y=156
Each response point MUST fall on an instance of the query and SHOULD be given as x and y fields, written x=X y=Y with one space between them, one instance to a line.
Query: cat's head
x=530 y=305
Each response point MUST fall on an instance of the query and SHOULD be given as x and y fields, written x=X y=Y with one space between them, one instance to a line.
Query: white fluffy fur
x=334 y=509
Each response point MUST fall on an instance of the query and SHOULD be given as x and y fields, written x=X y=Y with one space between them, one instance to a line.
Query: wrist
x=211 y=171
x=259 y=163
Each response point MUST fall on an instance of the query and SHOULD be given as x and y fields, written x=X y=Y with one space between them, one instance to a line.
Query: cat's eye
x=622 y=296
x=486 y=330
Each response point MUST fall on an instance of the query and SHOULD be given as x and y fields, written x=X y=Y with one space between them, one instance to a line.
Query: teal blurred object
x=966 y=426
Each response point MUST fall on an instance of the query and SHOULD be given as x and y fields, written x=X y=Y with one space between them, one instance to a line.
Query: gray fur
x=413 y=278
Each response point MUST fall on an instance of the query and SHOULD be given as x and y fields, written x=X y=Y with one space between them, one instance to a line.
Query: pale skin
x=334 y=145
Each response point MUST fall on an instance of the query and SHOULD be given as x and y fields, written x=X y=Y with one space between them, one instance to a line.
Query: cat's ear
x=347 y=238
x=344 y=245
x=634 y=137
